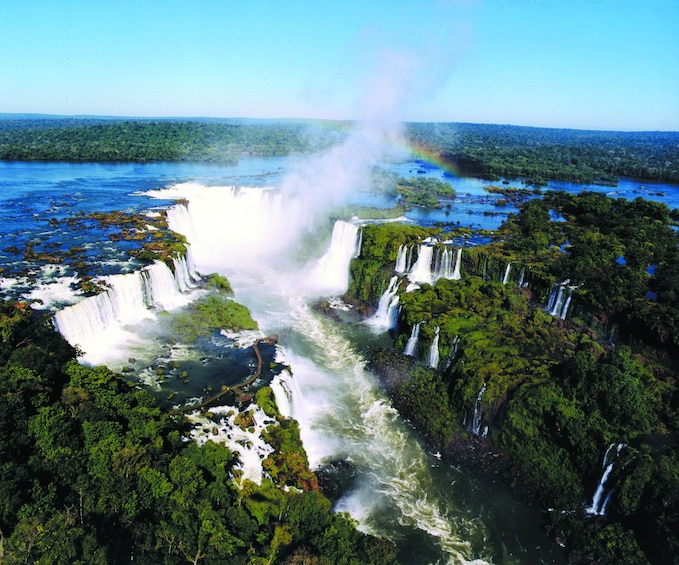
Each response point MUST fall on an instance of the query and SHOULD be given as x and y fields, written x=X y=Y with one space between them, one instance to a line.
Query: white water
x=247 y=443
x=411 y=344
x=508 y=269
x=100 y=325
x=421 y=271
x=559 y=300
x=403 y=259
x=458 y=259
x=339 y=405
x=330 y=275
x=599 y=503
x=475 y=426
x=386 y=315
x=433 y=360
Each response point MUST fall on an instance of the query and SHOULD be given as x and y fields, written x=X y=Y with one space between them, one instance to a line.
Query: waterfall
x=411 y=345
x=97 y=323
x=599 y=502
x=559 y=299
x=452 y=353
x=421 y=271
x=456 y=271
x=359 y=244
x=385 y=316
x=433 y=360
x=522 y=275
x=442 y=261
x=403 y=259
x=330 y=275
x=505 y=279
x=475 y=426
x=185 y=273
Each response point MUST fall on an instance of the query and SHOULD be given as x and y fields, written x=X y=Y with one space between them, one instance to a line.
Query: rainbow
x=418 y=151
x=430 y=156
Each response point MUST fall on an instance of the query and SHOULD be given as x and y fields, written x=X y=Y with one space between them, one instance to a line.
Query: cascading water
x=433 y=360
x=339 y=405
x=475 y=424
x=508 y=269
x=601 y=495
x=411 y=344
x=559 y=299
x=421 y=271
x=330 y=275
x=385 y=317
x=97 y=324
x=458 y=260
x=452 y=353
x=403 y=259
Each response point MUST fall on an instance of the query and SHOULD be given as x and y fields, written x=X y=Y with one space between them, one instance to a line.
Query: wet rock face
x=336 y=478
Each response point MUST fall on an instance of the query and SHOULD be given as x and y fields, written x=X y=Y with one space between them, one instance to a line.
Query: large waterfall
x=342 y=412
x=98 y=324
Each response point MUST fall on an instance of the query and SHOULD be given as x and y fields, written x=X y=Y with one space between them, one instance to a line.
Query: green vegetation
x=554 y=393
x=490 y=151
x=93 y=471
x=541 y=154
x=208 y=314
x=141 y=140
x=423 y=191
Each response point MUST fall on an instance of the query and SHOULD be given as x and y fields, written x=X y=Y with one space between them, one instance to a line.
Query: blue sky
x=599 y=64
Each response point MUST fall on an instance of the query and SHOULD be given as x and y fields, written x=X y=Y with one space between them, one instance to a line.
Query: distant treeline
x=98 y=139
x=542 y=154
x=490 y=151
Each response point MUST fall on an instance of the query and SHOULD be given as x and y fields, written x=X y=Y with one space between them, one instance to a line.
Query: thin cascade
x=522 y=276
x=456 y=270
x=599 y=501
x=433 y=360
x=411 y=345
x=444 y=268
x=559 y=299
x=475 y=425
x=452 y=353
x=508 y=269
x=359 y=244
x=402 y=259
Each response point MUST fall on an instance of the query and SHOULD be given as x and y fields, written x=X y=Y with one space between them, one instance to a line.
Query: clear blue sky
x=600 y=64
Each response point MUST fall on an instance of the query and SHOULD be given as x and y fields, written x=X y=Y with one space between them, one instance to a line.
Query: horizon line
x=36 y=115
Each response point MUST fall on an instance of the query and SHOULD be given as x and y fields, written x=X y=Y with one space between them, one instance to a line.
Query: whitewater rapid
x=343 y=415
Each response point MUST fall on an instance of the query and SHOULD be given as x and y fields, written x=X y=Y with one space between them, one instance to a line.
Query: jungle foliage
x=554 y=394
x=144 y=140
x=541 y=154
x=490 y=151
x=93 y=471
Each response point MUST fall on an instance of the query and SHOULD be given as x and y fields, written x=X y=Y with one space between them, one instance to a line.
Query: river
x=279 y=252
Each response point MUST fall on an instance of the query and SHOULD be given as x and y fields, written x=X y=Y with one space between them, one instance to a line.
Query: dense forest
x=490 y=151
x=542 y=154
x=90 y=139
x=554 y=393
x=93 y=470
